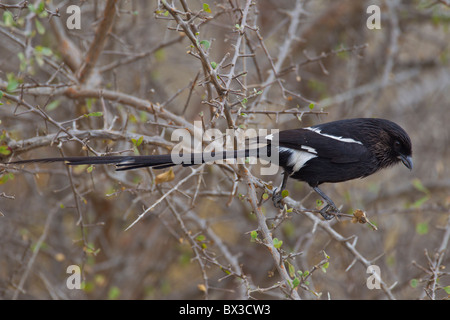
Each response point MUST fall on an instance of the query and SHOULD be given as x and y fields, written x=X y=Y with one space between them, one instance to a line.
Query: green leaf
x=94 y=114
x=419 y=186
x=291 y=269
x=41 y=7
x=137 y=142
x=6 y=177
x=413 y=283
x=89 y=102
x=160 y=55
x=420 y=202
x=422 y=228
x=224 y=270
x=44 y=50
x=447 y=289
x=39 y=27
x=200 y=238
x=23 y=62
x=277 y=243
x=4 y=150
x=90 y=168
x=325 y=267
x=285 y=193
x=311 y=106
x=319 y=203
x=39 y=59
x=254 y=235
x=87 y=286
x=295 y=282
x=213 y=65
x=206 y=8
x=13 y=83
x=52 y=105
x=92 y=250
x=206 y=44
x=8 y=19
x=114 y=293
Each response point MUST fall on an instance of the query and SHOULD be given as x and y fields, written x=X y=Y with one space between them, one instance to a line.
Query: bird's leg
x=277 y=197
x=330 y=205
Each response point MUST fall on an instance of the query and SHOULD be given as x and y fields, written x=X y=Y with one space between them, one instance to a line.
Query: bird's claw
x=328 y=212
x=324 y=212
x=277 y=198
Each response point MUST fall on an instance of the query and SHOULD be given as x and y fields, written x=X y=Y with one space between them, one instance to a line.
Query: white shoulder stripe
x=342 y=139
x=302 y=149
x=309 y=149
x=297 y=158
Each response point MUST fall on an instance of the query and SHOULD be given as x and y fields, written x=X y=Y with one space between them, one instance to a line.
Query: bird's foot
x=277 y=199
x=329 y=212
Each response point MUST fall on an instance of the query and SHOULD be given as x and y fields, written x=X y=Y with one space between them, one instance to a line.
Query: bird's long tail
x=155 y=161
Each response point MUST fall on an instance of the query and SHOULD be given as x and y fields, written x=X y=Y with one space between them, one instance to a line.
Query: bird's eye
x=397 y=144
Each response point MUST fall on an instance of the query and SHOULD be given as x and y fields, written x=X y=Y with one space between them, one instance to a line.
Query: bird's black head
x=394 y=144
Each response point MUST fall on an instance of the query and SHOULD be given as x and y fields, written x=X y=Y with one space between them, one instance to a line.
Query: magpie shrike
x=330 y=152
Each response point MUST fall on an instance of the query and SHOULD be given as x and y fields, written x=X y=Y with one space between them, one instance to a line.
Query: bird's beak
x=407 y=161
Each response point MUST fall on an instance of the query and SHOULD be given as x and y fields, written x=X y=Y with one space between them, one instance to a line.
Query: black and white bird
x=340 y=151
x=326 y=153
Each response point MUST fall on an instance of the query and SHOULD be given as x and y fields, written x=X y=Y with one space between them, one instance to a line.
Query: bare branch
x=99 y=41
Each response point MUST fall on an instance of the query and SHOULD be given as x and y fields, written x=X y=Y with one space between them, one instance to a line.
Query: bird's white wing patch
x=342 y=139
x=309 y=149
x=297 y=158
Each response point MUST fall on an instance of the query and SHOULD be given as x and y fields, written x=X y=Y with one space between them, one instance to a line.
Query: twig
x=99 y=41
x=25 y=145
x=175 y=188
x=266 y=234
x=139 y=104
x=435 y=268
x=351 y=247
x=284 y=48
x=44 y=115
x=136 y=56
x=37 y=248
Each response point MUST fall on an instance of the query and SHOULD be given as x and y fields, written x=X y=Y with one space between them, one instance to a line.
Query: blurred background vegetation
x=131 y=75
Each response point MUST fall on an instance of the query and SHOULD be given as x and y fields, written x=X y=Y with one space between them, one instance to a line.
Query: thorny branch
x=234 y=72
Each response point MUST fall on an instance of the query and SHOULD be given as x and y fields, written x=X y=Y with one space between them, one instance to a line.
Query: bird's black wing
x=337 y=149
